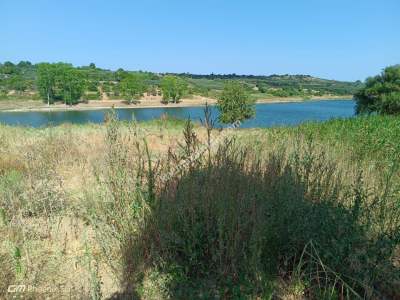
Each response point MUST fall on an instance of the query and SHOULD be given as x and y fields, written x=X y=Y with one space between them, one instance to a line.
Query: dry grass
x=45 y=174
x=60 y=238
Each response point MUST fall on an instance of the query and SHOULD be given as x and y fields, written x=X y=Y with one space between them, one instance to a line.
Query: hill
x=18 y=82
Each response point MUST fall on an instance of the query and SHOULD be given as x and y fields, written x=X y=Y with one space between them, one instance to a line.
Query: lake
x=267 y=114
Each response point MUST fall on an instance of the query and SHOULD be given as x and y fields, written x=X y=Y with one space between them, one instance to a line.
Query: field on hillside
x=114 y=210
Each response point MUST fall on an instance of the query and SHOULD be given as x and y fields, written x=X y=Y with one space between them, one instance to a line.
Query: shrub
x=91 y=96
x=242 y=221
x=234 y=104
x=381 y=93
x=231 y=224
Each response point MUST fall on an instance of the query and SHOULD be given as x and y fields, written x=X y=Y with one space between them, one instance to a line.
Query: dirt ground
x=146 y=101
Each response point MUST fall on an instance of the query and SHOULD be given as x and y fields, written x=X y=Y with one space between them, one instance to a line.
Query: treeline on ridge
x=26 y=81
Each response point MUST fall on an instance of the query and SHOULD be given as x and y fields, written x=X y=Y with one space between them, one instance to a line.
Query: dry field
x=61 y=239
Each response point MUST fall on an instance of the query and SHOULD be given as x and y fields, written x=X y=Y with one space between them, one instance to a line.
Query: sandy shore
x=144 y=103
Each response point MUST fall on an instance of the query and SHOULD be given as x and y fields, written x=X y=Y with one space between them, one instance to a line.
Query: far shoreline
x=196 y=101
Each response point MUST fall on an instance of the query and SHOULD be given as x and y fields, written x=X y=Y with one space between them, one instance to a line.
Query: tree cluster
x=60 y=81
x=132 y=87
x=17 y=77
x=173 y=88
x=381 y=94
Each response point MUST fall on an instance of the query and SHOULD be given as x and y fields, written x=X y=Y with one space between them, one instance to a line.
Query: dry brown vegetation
x=84 y=214
x=46 y=174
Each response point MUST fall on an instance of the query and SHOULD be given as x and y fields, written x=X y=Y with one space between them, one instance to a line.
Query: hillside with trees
x=64 y=83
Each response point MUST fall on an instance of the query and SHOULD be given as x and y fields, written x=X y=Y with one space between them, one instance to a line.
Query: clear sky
x=342 y=39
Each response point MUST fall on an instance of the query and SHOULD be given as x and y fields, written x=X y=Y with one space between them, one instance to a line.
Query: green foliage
x=18 y=83
x=132 y=87
x=3 y=217
x=234 y=104
x=91 y=96
x=17 y=258
x=16 y=80
x=371 y=136
x=151 y=90
x=93 y=269
x=92 y=85
x=120 y=74
x=276 y=85
x=60 y=81
x=173 y=88
x=24 y=80
x=9 y=68
x=381 y=93
x=46 y=81
x=71 y=84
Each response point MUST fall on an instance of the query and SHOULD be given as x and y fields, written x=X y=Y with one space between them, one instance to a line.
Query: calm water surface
x=267 y=115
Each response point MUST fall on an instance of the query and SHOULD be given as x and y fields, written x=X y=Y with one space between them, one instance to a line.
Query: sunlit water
x=267 y=115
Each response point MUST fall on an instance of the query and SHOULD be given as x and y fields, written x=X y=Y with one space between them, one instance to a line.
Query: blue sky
x=345 y=40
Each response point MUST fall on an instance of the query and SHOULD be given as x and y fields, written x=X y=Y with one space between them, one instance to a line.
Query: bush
x=242 y=221
x=381 y=93
x=234 y=104
x=91 y=96
x=229 y=226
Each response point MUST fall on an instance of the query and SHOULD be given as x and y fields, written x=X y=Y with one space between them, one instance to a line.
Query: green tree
x=132 y=87
x=17 y=83
x=173 y=88
x=381 y=93
x=24 y=64
x=234 y=104
x=120 y=74
x=46 y=81
x=72 y=84
x=9 y=68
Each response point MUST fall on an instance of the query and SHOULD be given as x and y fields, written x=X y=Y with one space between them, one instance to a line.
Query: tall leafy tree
x=234 y=104
x=46 y=81
x=381 y=93
x=132 y=87
x=72 y=84
x=173 y=88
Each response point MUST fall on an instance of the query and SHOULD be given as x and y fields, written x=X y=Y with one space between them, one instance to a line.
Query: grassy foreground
x=103 y=211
